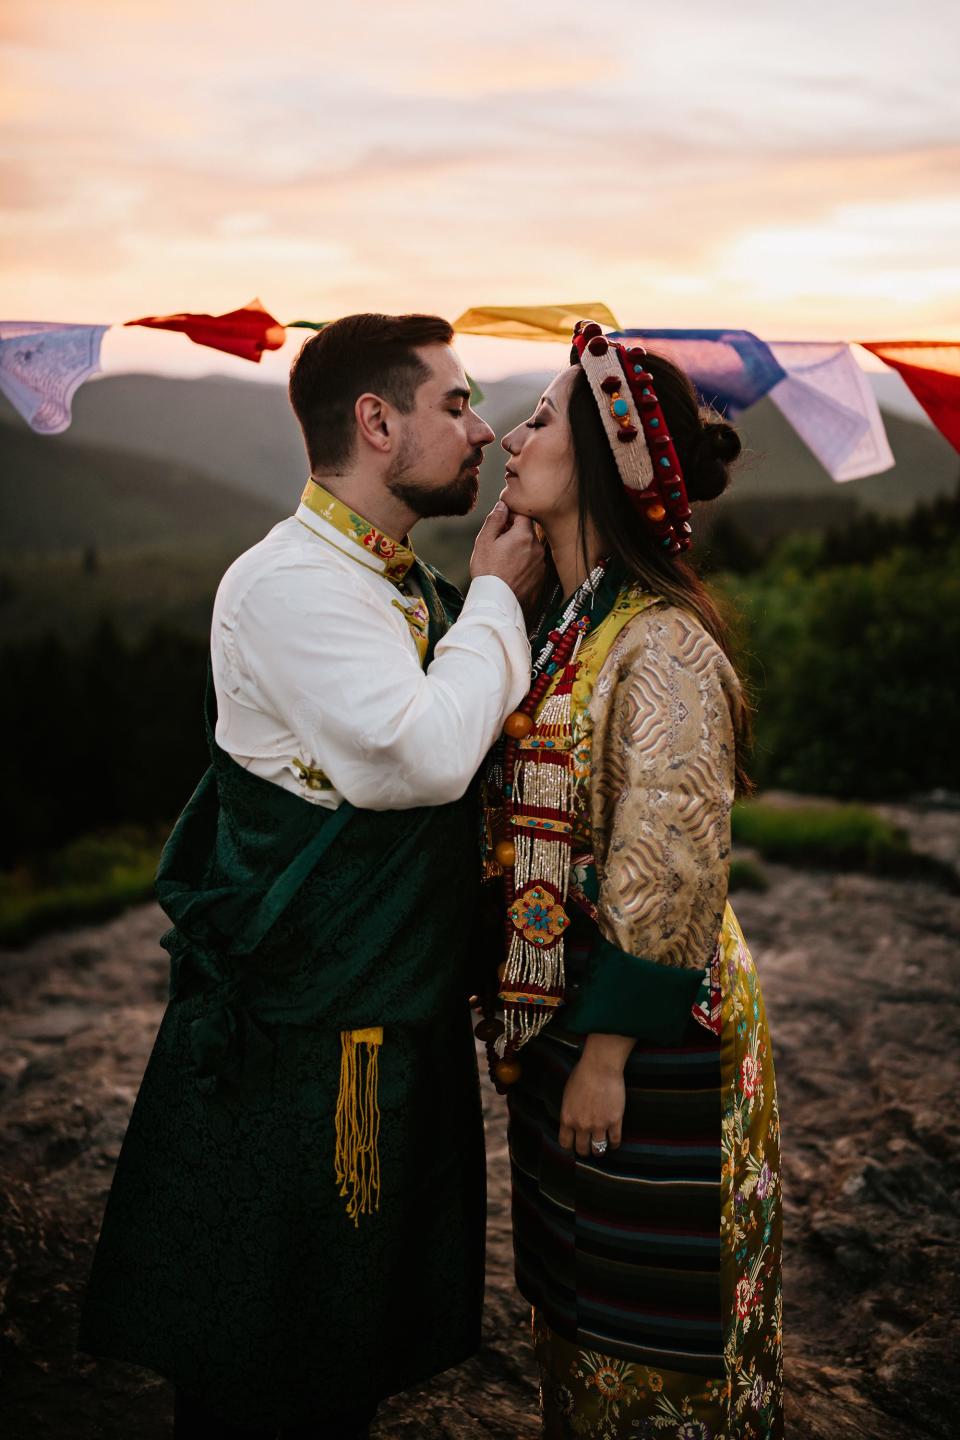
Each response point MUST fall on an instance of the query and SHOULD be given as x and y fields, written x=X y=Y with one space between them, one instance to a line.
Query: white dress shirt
x=317 y=669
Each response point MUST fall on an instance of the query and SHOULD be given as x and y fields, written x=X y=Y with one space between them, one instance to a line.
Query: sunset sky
x=793 y=169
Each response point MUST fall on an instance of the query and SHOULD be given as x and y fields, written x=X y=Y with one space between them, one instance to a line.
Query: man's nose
x=481 y=433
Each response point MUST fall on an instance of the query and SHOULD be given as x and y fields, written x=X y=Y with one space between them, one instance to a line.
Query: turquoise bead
x=654 y=423
x=665 y=461
x=620 y=407
x=638 y=370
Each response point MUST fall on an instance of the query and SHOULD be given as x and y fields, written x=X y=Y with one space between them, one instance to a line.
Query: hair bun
x=717 y=448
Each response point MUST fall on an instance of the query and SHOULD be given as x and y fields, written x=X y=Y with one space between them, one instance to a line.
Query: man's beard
x=426 y=501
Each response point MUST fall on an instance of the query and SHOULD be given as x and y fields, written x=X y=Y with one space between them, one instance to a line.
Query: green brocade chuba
x=228 y=1261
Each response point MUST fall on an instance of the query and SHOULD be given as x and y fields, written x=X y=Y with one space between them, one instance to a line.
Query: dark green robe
x=227 y=1261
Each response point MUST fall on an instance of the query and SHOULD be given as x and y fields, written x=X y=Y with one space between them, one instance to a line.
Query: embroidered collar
x=329 y=518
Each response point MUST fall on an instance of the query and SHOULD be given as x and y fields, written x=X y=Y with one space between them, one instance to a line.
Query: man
x=296 y=1225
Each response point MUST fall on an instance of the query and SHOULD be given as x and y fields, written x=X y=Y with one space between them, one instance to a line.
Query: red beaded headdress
x=629 y=409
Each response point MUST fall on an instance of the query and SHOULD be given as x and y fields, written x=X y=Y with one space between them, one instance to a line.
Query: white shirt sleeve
x=335 y=662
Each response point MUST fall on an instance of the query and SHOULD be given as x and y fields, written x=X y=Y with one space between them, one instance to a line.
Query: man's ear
x=374 y=421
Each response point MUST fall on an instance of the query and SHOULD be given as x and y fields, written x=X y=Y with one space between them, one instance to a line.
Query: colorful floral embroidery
x=397 y=558
x=374 y=540
x=417 y=617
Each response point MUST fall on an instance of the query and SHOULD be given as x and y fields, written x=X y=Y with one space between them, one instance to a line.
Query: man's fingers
x=616 y=1135
x=496 y=522
x=583 y=1142
x=522 y=526
x=566 y=1137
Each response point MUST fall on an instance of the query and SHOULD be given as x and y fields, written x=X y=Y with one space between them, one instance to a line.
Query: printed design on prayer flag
x=828 y=400
x=931 y=370
x=43 y=364
x=246 y=332
x=732 y=369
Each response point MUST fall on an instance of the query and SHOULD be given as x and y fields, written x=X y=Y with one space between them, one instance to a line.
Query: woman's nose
x=507 y=443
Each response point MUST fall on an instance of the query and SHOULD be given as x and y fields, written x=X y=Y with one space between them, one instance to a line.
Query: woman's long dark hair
x=705 y=445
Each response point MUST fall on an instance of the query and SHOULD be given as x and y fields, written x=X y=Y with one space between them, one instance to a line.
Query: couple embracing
x=416 y=797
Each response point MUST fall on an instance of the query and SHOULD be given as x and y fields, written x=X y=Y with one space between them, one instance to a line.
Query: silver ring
x=598 y=1146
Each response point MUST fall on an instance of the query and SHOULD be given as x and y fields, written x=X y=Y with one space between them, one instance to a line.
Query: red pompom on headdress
x=625 y=395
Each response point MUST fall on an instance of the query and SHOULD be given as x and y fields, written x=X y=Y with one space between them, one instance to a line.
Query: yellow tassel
x=357 y=1158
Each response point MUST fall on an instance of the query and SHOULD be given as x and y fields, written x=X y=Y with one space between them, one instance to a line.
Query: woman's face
x=540 y=474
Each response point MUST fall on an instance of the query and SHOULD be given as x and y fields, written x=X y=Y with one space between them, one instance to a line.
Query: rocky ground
x=861 y=978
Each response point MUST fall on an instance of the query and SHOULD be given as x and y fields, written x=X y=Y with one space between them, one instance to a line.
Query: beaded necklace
x=535 y=777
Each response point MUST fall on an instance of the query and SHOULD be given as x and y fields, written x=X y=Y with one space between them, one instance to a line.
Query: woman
x=634 y=1048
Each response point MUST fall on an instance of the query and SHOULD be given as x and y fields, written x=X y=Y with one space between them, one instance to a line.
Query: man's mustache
x=475 y=460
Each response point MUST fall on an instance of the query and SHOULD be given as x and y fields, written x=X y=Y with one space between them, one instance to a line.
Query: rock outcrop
x=861 y=978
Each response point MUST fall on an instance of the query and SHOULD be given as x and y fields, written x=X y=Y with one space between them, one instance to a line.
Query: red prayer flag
x=246 y=332
x=931 y=368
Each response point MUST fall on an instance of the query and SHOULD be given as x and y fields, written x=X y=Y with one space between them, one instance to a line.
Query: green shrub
x=853 y=670
x=837 y=835
x=747 y=875
x=91 y=879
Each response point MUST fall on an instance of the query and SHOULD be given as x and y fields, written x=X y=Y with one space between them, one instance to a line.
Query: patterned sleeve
x=660 y=799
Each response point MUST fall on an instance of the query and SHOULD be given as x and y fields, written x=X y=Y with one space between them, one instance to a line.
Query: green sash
x=282 y=910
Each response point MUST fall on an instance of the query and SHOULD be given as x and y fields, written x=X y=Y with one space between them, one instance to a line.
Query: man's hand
x=508 y=548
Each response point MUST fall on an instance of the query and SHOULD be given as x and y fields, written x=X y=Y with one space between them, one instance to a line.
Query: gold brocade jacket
x=661 y=787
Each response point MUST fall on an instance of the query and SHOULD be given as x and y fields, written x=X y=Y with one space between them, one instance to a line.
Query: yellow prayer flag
x=532 y=322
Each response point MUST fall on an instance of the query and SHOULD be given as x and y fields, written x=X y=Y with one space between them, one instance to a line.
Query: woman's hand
x=595 y=1095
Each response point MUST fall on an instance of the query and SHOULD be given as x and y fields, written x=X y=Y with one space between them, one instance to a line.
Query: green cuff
x=623 y=994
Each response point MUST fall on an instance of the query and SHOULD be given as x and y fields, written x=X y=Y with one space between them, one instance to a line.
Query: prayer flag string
x=818 y=386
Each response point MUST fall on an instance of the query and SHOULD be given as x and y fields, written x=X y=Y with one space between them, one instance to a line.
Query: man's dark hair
x=346 y=359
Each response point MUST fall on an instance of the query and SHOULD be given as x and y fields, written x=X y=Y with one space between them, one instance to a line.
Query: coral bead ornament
x=630 y=411
x=507 y=1072
x=505 y=853
x=517 y=726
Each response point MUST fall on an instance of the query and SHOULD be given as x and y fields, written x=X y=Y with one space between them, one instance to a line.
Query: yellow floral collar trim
x=376 y=550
